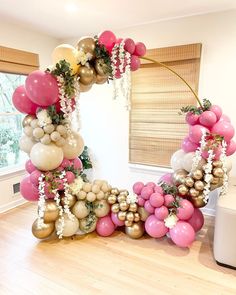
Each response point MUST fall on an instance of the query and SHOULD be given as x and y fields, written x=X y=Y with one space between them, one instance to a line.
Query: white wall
x=22 y=38
x=105 y=121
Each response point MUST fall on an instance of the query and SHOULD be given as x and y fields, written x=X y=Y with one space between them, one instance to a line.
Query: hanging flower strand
x=41 y=202
x=224 y=187
x=208 y=175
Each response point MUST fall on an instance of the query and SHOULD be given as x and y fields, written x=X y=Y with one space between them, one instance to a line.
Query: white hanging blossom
x=83 y=58
x=43 y=118
x=61 y=221
x=76 y=186
x=208 y=175
x=171 y=220
x=67 y=194
x=41 y=202
x=132 y=198
x=198 y=153
x=223 y=156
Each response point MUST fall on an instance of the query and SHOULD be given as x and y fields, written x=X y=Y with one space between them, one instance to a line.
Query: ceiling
x=70 y=18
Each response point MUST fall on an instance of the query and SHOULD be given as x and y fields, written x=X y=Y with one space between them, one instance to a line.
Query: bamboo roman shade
x=156 y=128
x=17 y=61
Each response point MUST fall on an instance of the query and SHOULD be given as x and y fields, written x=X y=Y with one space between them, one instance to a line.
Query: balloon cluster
x=165 y=213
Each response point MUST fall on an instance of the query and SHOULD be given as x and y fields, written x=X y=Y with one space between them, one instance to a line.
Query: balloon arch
x=68 y=203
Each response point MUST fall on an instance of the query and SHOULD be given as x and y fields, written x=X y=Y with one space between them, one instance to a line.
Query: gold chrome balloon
x=217 y=164
x=121 y=215
x=130 y=216
x=51 y=212
x=128 y=223
x=124 y=192
x=193 y=192
x=27 y=120
x=84 y=88
x=136 y=230
x=111 y=199
x=87 y=75
x=198 y=202
x=101 y=68
x=115 y=191
x=218 y=172
x=143 y=213
x=115 y=208
x=71 y=200
x=199 y=185
x=44 y=231
x=179 y=176
x=197 y=174
x=101 y=79
x=87 y=45
x=189 y=181
x=136 y=217
x=121 y=198
x=123 y=206
x=182 y=190
x=215 y=180
x=133 y=207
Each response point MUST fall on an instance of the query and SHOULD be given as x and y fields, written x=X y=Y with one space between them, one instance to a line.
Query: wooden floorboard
x=114 y=265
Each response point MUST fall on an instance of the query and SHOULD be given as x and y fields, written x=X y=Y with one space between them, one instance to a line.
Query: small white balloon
x=177 y=160
x=26 y=143
x=188 y=162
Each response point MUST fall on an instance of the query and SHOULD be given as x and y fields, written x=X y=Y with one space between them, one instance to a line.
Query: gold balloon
x=74 y=146
x=130 y=216
x=218 y=172
x=101 y=79
x=197 y=174
x=115 y=208
x=128 y=223
x=51 y=212
x=87 y=75
x=179 y=176
x=84 y=88
x=136 y=217
x=183 y=190
x=68 y=53
x=71 y=200
x=111 y=199
x=193 y=192
x=121 y=215
x=199 y=185
x=217 y=164
x=198 y=202
x=115 y=191
x=100 y=67
x=135 y=231
x=44 y=231
x=217 y=185
x=27 y=120
x=189 y=181
x=215 y=180
x=124 y=206
x=121 y=198
x=133 y=207
x=124 y=192
x=143 y=213
x=87 y=45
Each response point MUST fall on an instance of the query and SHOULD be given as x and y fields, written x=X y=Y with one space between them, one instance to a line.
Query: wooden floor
x=113 y=265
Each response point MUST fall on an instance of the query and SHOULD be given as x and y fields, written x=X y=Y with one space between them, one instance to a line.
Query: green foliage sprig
x=102 y=53
x=196 y=110
x=169 y=189
x=57 y=118
x=85 y=159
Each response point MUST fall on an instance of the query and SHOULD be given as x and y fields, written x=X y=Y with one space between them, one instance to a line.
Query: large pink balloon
x=137 y=187
x=231 y=148
x=28 y=190
x=155 y=228
x=108 y=39
x=29 y=167
x=140 y=49
x=224 y=129
x=105 y=227
x=188 y=146
x=197 y=220
x=208 y=118
x=196 y=132
x=182 y=234
x=34 y=177
x=22 y=102
x=191 y=119
x=186 y=209
x=42 y=88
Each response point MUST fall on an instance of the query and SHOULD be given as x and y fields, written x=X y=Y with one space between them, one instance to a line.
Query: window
x=156 y=128
x=14 y=65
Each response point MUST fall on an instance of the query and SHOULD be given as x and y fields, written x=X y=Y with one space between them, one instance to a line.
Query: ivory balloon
x=88 y=224
x=102 y=208
x=80 y=210
x=46 y=157
x=44 y=231
x=136 y=230
x=51 y=212
x=67 y=52
x=26 y=144
x=177 y=160
x=188 y=161
x=87 y=45
x=74 y=146
x=87 y=75
x=27 y=120
x=71 y=225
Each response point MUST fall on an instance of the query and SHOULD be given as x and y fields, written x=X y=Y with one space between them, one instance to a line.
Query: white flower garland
x=171 y=220
x=132 y=198
x=223 y=156
x=41 y=201
x=61 y=220
x=208 y=175
x=198 y=153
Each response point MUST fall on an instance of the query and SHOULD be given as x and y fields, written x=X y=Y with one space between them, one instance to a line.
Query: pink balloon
x=225 y=129
x=217 y=152
x=207 y=119
x=65 y=163
x=108 y=39
x=188 y=146
x=154 y=227
x=182 y=234
x=161 y=213
x=116 y=220
x=156 y=200
x=167 y=178
x=70 y=176
x=151 y=184
x=77 y=163
x=22 y=102
x=141 y=201
x=60 y=184
x=140 y=49
x=217 y=110
x=146 y=192
x=137 y=187
x=231 y=148
x=196 y=132
x=169 y=199
x=48 y=191
x=28 y=190
x=134 y=63
x=34 y=177
x=29 y=167
x=197 y=220
x=191 y=119
x=42 y=89
x=185 y=211
x=119 y=40
x=129 y=45
x=225 y=118
x=148 y=207
x=105 y=227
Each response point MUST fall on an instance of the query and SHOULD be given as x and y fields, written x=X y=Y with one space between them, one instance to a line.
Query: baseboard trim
x=12 y=205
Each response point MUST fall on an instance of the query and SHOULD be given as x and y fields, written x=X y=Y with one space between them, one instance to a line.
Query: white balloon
x=46 y=157
x=188 y=161
x=177 y=159
x=26 y=143
x=74 y=146
x=71 y=225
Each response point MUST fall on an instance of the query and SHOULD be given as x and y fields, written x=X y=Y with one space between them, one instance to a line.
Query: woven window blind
x=156 y=128
x=17 y=61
